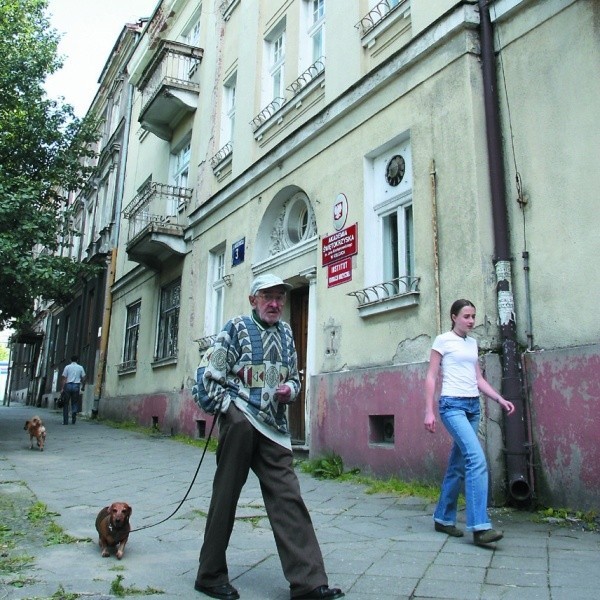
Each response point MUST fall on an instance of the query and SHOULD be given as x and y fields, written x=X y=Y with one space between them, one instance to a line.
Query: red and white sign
x=339 y=245
x=339 y=272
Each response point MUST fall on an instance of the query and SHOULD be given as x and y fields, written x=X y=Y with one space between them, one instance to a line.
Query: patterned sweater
x=248 y=361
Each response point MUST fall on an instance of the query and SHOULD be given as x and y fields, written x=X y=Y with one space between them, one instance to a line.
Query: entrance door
x=299 y=325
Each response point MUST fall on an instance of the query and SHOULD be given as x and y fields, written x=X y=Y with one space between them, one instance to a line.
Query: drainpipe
x=517 y=444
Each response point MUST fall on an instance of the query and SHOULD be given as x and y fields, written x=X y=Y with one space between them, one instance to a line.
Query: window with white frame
x=228 y=116
x=168 y=321
x=275 y=51
x=216 y=289
x=389 y=236
x=132 y=330
x=192 y=35
x=316 y=29
x=180 y=165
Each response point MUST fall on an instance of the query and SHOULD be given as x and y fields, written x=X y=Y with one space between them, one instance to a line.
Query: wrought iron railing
x=174 y=64
x=205 y=342
x=267 y=112
x=221 y=155
x=305 y=78
x=377 y=14
x=156 y=203
x=128 y=365
x=227 y=7
x=380 y=292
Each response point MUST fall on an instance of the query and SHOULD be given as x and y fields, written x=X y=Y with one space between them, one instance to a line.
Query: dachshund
x=36 y=431
x=112 y=525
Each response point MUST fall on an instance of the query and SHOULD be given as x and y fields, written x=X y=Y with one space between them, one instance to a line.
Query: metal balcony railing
x=380 y=292
x=174 y=64
x=221 y=155
x=156 y=203
x=267 y=112
x=227 y=7
x=377 y=14
x=206 y=342
x=305 y=78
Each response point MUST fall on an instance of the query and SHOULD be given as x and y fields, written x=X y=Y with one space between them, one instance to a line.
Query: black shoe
x=73 y=419
x=487 y=536
x=449 y=530
x=225 y=591
x=323 y=592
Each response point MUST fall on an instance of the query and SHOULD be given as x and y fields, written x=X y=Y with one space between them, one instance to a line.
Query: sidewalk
x=374 y=546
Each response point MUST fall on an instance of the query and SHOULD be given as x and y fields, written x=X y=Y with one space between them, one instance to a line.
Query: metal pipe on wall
x=517 y=444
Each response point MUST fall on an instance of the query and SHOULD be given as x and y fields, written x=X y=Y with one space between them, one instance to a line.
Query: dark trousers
x=71 y=400
x=241 y=448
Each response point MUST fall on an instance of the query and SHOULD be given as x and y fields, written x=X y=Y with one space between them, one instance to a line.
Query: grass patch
x=118 y=589
x=567 y=517
x=38 y=513
x=14 y=564
x=198 y=443
x=153 y=431
x=331 y=466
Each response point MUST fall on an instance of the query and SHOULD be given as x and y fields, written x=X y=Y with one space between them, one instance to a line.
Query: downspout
x=517 y=444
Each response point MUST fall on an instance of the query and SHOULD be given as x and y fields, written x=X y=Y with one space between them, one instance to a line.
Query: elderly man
x=251 y=374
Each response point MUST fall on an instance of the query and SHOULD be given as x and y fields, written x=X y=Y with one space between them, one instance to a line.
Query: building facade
x=385 y=158
x=81 y=327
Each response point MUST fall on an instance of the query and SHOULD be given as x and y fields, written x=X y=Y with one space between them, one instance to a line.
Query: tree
x=45 y=153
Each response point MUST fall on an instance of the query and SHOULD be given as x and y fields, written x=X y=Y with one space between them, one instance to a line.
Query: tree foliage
x=45 y=153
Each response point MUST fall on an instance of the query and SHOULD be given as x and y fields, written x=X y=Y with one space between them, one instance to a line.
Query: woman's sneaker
x=448 y=529
x=487 y=536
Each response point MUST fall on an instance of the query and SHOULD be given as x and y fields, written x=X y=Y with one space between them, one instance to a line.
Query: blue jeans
x=72 y=390
x=467 y=464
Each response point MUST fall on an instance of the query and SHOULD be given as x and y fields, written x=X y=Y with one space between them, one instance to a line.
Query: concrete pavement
x=375 y=546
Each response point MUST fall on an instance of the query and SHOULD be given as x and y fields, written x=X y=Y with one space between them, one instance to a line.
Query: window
x=316 y=29
x=216 y=289
x=295 y=224
x=276 y=54
x=168 y=321
x=398 y=259
x=389 y=235
x=181 y=165
x=132 y=330
x=192 y=36
x=228 y=116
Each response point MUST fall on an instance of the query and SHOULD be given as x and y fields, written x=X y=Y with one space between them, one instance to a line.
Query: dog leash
x=218 y=412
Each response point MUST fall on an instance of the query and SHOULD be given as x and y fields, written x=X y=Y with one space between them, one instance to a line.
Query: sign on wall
x=340 y=245
x=238 y=250
x=339 y=272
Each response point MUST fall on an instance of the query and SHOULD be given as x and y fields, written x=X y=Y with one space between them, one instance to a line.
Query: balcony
x=400 y=292
x=156 y=225
x=169 y=87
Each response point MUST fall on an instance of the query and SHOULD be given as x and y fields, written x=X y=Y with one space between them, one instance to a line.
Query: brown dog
x=112 y=525
x=36 y=430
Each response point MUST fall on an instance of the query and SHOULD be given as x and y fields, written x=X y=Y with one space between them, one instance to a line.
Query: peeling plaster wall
x=177 y=412
x=564 y=389
x=342 y=404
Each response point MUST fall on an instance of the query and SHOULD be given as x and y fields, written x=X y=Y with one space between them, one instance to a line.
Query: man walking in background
x=73 y=382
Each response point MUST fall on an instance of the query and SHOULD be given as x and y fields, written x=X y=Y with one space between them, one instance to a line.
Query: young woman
x=455 y=352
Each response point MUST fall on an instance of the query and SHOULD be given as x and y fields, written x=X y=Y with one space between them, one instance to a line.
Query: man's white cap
x=268 y=280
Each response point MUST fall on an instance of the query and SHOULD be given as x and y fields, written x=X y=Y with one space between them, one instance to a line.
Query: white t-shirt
x=459 y=360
